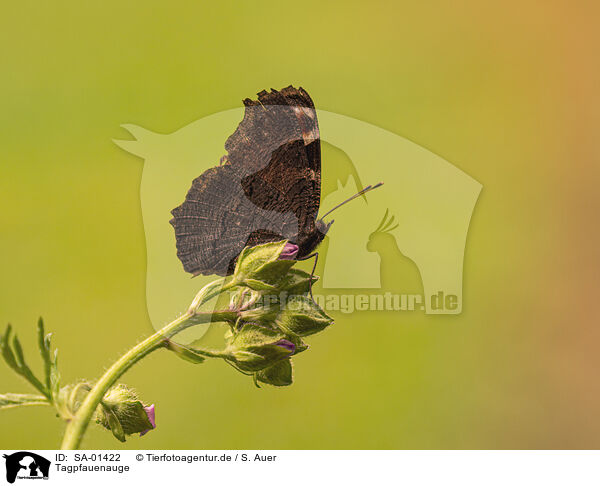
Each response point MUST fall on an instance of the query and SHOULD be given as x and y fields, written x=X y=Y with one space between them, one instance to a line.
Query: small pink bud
x=284 y=343
x=151 y=417
x=289 y=251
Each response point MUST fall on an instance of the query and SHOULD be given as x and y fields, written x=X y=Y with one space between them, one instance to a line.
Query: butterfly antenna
x=358 y=194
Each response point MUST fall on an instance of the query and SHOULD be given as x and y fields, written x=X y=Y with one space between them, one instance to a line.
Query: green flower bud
x=260 y=267
x=279 y=374
x=255 y=347
x=302 y=317
x=123 y=413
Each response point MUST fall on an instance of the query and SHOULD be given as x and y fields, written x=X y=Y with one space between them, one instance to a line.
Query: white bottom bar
x=312 y=468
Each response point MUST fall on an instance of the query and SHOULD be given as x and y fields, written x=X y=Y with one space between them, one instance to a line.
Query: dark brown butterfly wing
x=270 y=122
x=287 y=176
x=216 y=219
x=268 y=188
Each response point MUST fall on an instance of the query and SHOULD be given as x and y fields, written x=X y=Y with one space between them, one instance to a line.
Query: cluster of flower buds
x=271 y=313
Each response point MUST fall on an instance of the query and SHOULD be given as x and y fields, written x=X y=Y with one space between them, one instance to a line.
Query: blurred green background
x=506 y=91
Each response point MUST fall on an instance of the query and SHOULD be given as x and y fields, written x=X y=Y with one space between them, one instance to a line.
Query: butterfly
x=266 y=188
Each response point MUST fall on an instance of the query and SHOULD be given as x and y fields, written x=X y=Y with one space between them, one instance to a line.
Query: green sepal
x=70 y=398
x=279 y=374
x=251 y=259
x=268 y=277
x=265 y=314
x=297 y=281
x=112 y=423
x=137 y=420
x=302 y=317
x=258 y=285
x=186 y=353
x=259 y=267
x=298 y=342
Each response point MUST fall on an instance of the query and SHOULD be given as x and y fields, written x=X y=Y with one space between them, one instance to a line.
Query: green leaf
x=44 y=345
x=12 y=352
x=12 y=400
x=54 y=375
x=7 y=353
x=24 y=370
x=20 y=357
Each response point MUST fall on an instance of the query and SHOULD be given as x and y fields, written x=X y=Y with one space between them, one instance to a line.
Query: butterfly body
x=311 y=240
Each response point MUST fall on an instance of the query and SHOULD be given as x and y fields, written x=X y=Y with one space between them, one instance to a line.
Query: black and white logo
x=26 y=465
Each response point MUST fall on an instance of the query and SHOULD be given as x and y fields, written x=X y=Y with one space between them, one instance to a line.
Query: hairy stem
x=78 y=424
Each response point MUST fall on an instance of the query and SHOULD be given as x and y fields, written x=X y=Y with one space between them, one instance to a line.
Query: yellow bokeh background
x=506 y=91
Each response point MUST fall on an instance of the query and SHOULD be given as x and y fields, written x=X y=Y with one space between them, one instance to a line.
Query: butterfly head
x=323 y=227
x=309 y=241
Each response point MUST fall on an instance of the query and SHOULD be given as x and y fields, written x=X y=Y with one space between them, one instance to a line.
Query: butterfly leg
x=312 y=273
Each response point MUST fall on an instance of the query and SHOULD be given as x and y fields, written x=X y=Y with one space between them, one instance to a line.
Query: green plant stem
x=77 y=426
